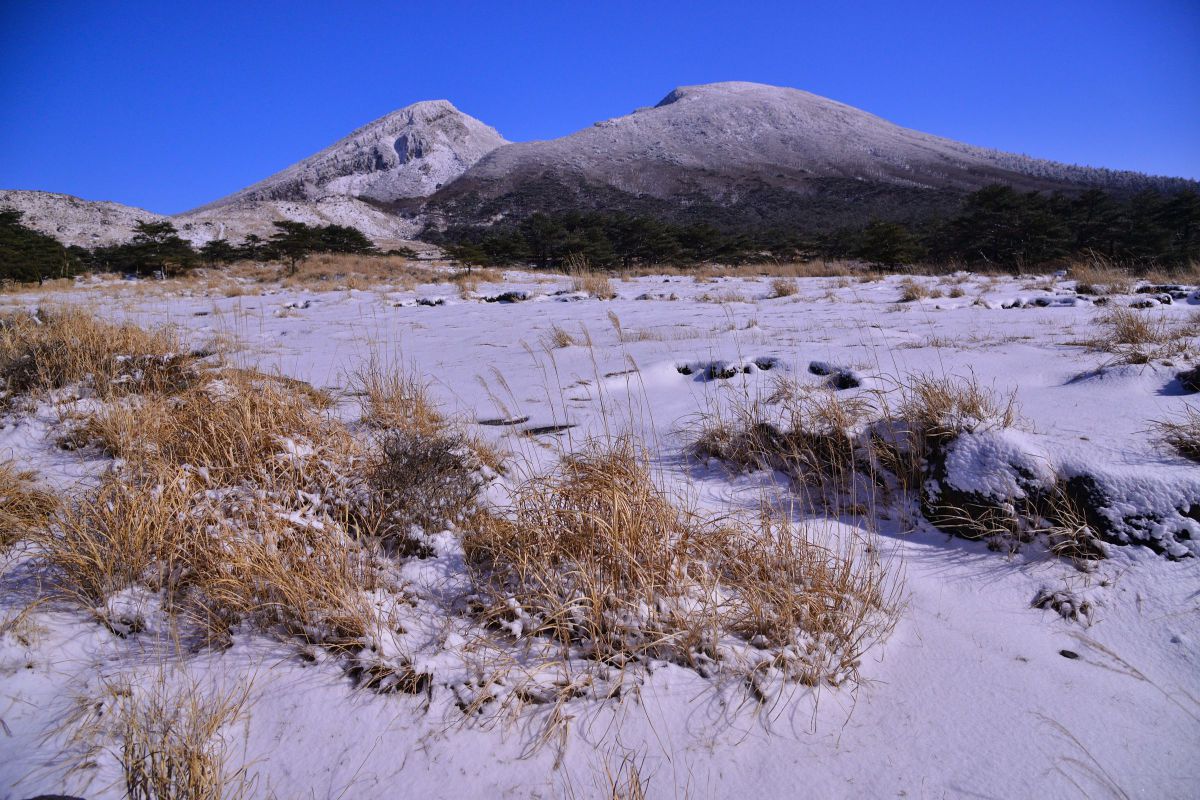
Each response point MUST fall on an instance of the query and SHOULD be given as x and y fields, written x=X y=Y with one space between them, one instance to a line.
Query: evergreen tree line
x=27 y=255
x=996 y=226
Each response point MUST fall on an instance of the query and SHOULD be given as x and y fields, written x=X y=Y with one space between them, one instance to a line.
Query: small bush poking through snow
x=420 y=484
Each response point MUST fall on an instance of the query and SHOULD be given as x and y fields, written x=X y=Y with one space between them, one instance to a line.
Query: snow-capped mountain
x=752 y=148
x=738 y=153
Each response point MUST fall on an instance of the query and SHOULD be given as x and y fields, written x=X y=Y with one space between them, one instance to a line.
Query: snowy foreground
x=974 y=692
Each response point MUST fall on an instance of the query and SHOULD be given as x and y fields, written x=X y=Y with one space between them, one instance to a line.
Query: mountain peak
x=410 y=152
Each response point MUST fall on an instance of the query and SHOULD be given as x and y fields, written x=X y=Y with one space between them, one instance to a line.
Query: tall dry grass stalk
x=170 y=736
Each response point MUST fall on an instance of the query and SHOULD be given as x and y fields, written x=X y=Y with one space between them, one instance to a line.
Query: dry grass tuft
x=394 y=399
x=783 y=287
x=911 y=291
x=558 y=337
x=60 y=347
x=23 y=507
x=596 y=284
x=1136 y=337
x=1182 y=433
x=170 y=737
x=596 y=557
x=119 y=535
x=807 y=432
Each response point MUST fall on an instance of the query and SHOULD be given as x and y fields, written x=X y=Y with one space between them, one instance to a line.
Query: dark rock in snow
x=1170 y=527
x=1190 y=380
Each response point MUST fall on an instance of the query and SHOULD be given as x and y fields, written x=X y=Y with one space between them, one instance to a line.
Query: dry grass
x=394 y=399
x=1182 y=433
x=596 y=557
x=63 y=346
x=23 y=507
x=557 y=338
x=911 y=291
x=170 y=737
x=807 y=432
x=783 y=287
x=596 y=284
x=1137 y=337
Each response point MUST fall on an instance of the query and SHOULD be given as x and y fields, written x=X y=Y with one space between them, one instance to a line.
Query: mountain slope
x=72 y=220
x=408 y=153
x=749 y=152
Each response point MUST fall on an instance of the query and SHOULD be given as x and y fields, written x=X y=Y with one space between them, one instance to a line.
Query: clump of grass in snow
x=783 y=287
x=395 y=399
x=170 y=737
x=595 y=556
x=596 y=284
x=558 y=337
x=911 y=291
x=1182 y=433
x=807 y=432
x=1136 y=337
x=60 y=347
x=23 y=506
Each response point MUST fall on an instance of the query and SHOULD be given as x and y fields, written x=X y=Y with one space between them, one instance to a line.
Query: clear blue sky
x=167 y=105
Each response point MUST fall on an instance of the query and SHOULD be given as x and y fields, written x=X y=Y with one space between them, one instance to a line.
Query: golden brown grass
x=807 y=432
x=395 y=399
x=783 y=287
x=558 y=337
x=1134 y=336
x=595 y=556
x=119 y=535
x=23 y=507
x=170 y=736
x=912 y=290
x=59 y=347
x=596 y=284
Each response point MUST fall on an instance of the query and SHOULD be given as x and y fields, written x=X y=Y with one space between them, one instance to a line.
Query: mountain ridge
x=734 y=152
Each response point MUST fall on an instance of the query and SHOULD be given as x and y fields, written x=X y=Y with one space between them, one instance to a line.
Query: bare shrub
x=420 y=483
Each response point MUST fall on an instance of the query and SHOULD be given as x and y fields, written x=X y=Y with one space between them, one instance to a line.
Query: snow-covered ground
x=976 y=693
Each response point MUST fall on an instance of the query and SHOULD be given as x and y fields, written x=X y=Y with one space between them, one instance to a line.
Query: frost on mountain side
x=408 y=153
x=87 y=223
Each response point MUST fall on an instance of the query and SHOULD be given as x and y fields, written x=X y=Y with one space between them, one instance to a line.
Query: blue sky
x=167 y=105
